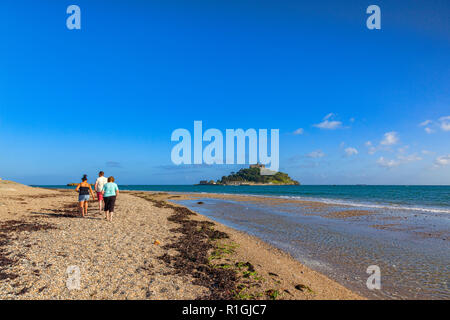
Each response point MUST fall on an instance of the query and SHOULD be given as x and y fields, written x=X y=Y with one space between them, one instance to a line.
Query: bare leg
x=85 y=207
x=80 y=208
x=111 y=216
x=107 y=215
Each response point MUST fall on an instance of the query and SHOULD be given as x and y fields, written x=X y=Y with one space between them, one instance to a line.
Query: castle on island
x=256 y=174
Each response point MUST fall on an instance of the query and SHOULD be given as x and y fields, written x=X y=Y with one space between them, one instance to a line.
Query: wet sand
x=153 y=249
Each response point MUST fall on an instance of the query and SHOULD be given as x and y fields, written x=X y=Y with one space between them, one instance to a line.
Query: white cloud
x=350 y=151
x=387 y=163
x=431 y=126
x=401 y=159
x=316 y=154
x=403 y=149
x=445 y=123
x=369 y=145
x=409 y=158
x=442 y=161
x=425 y=123
x=327 y=124
x=299 y=131
x=390 y=138
x=427 y=152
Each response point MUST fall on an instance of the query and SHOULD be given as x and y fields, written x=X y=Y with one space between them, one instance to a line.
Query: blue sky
x=108 y=96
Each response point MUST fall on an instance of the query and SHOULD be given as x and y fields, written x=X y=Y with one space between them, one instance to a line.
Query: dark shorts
x=109 y=203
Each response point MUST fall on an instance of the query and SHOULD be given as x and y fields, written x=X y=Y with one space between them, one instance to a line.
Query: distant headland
x=252 y=177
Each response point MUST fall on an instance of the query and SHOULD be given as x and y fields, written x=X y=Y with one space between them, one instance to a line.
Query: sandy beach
x=154 y=249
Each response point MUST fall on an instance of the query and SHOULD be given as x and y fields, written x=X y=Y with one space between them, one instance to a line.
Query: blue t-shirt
x=110 y=189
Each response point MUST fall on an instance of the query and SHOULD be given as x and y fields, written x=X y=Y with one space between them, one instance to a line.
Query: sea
x=422 y=198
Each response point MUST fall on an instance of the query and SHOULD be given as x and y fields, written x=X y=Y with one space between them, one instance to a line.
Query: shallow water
x=410 y=247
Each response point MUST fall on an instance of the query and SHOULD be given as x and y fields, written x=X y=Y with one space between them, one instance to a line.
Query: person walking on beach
x=101 y=181
x=110 y=193
x=84 y=189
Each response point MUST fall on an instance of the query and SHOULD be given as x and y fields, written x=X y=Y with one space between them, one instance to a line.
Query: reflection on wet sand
x=342 y=241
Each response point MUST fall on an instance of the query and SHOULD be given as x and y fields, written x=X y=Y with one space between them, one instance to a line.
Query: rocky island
x=252 y=176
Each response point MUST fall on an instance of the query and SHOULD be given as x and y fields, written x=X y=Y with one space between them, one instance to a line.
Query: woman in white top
x=101 y=181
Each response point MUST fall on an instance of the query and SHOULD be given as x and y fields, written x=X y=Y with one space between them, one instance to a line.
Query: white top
x=101 y=181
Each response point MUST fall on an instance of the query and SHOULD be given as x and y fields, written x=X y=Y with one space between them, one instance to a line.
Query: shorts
x=99 y=196
x=109 y=203
x=83 y=197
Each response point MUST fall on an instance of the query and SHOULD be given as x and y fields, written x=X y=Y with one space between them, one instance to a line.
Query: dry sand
x=151 y=250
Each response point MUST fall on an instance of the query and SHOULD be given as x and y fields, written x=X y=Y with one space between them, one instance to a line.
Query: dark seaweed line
x=193 y=246
x=6 y=229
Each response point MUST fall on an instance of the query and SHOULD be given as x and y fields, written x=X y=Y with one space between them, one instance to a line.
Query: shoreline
x=337 y=240
x=142 y=253
x=301 y=199
x=365 y=203
x=269 y=257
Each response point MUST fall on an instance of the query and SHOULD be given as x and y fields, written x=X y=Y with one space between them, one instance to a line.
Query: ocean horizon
x=427 y=198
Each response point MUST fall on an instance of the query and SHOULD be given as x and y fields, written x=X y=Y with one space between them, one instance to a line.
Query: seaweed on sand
x=6 y=229
x=67 y=211
x=194 y=247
